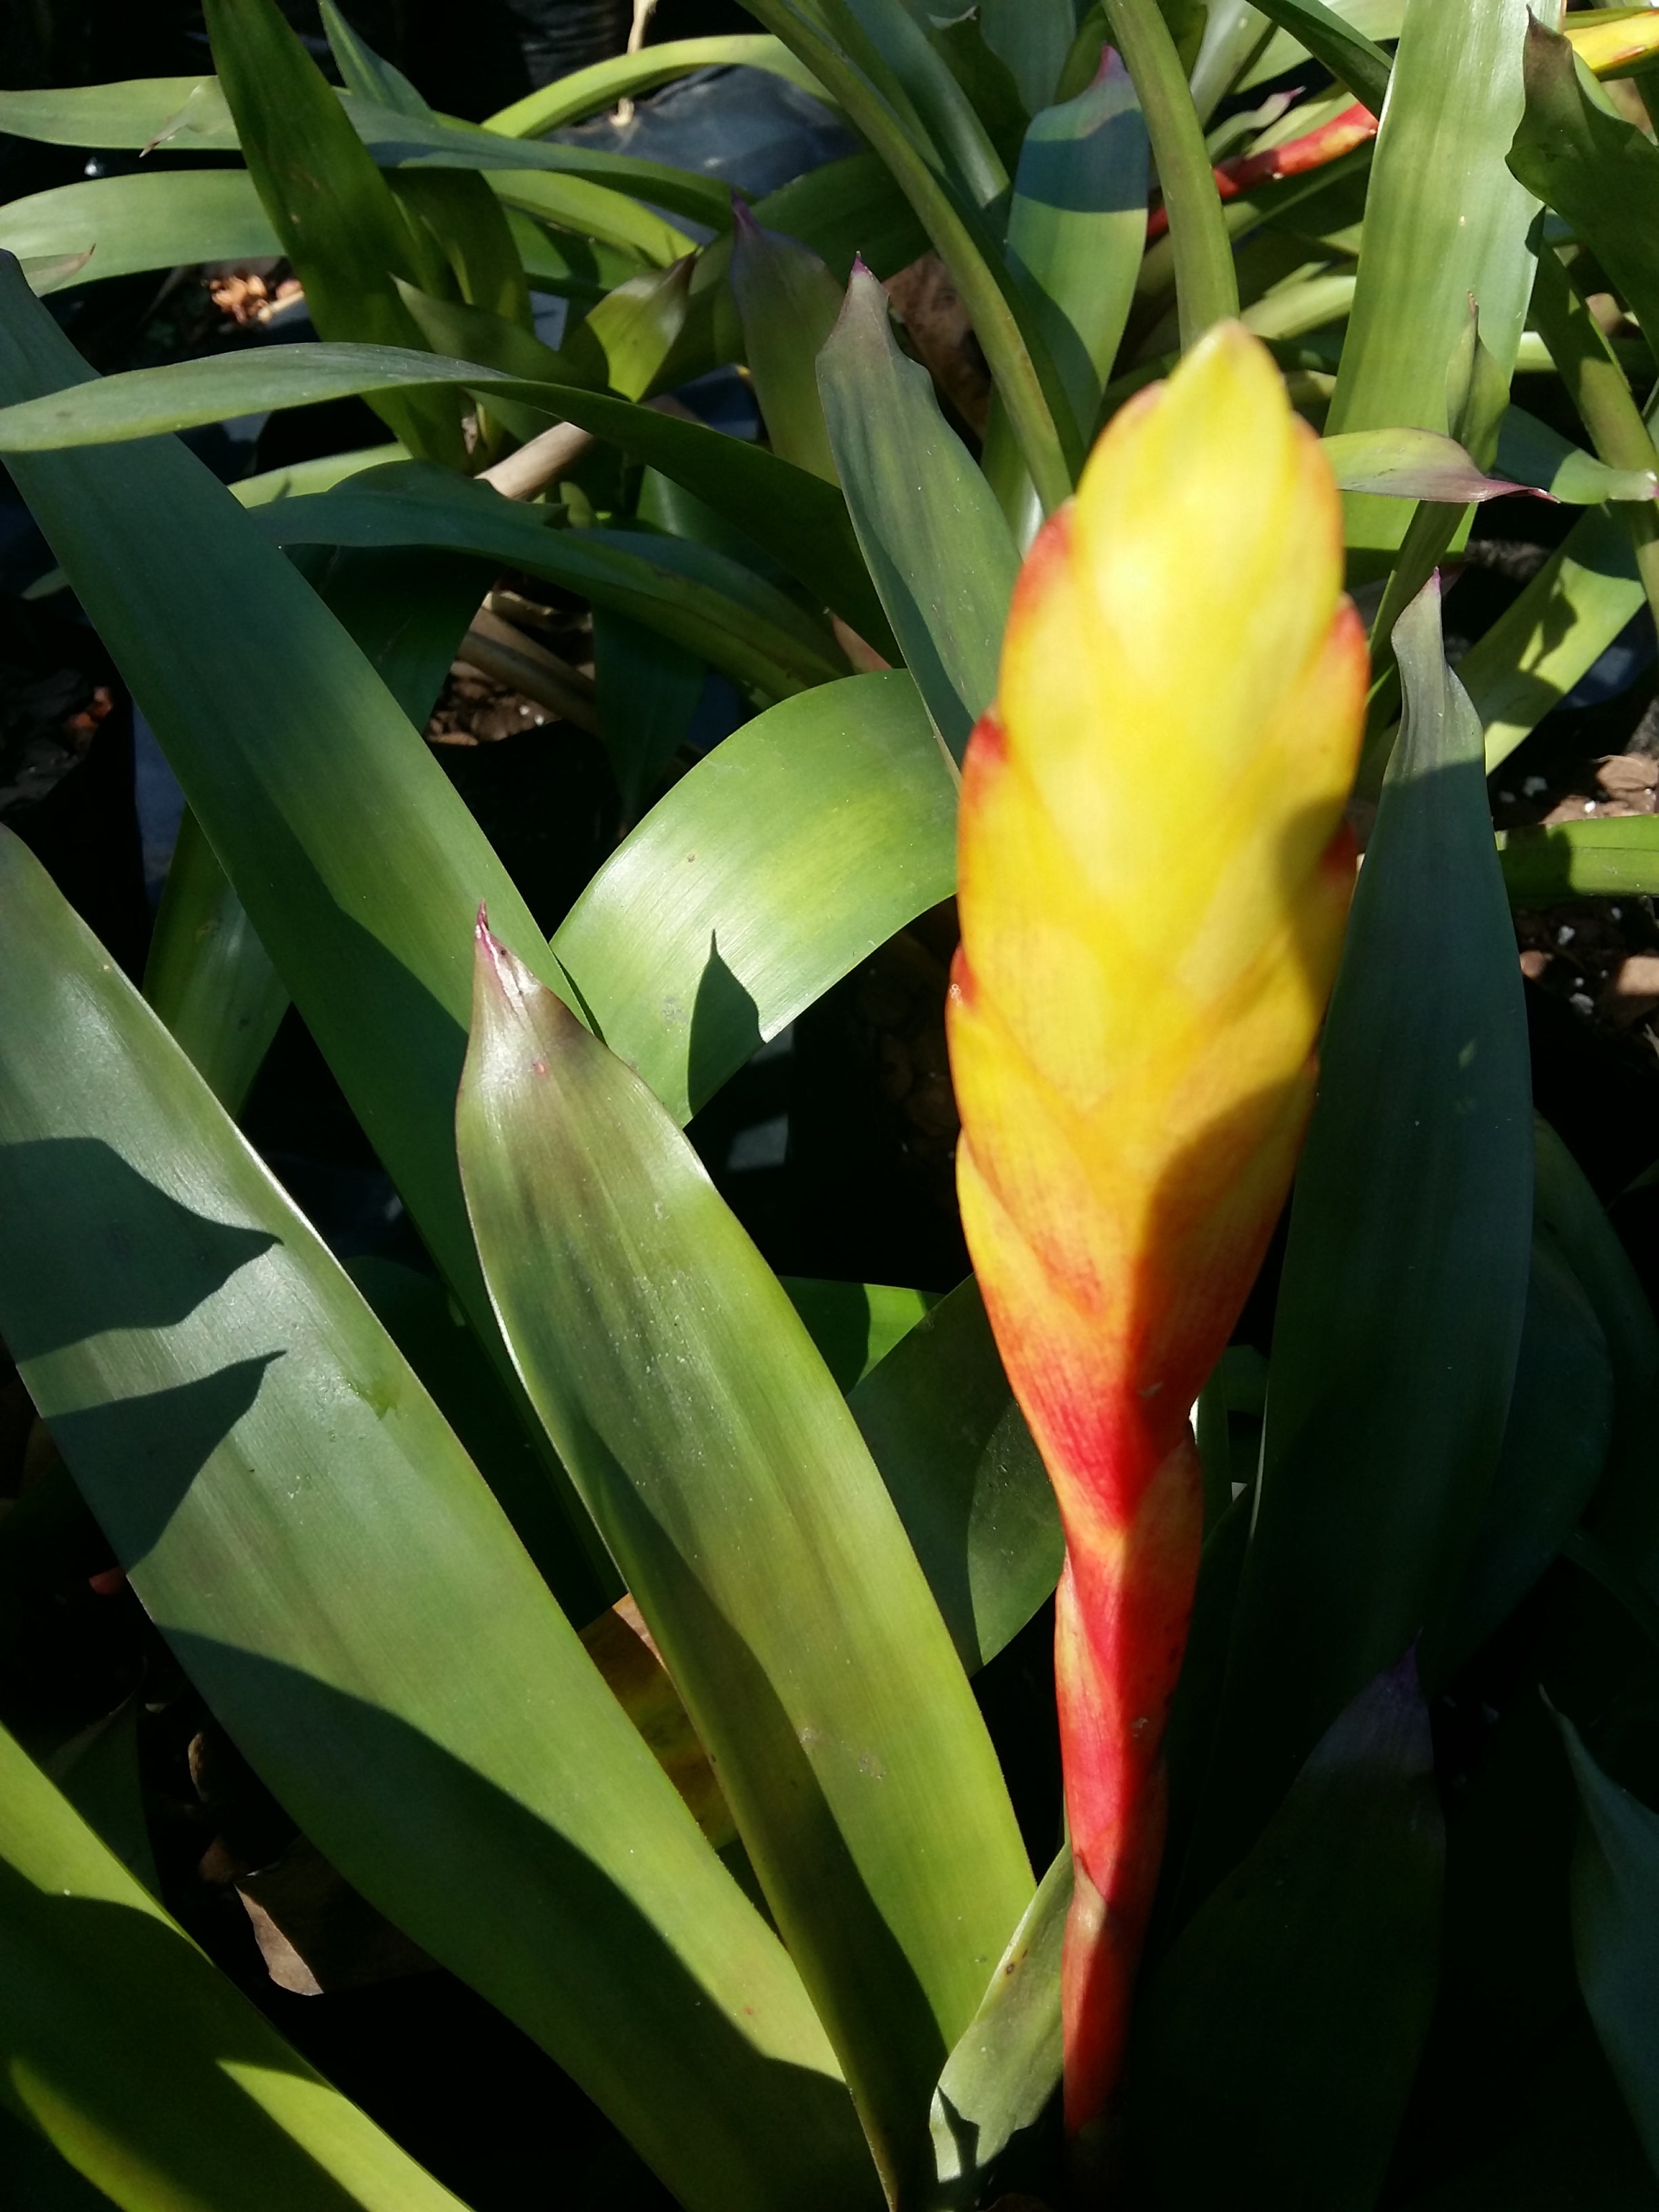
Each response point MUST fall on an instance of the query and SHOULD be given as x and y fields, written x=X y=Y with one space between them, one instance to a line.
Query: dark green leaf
x=647 y=691
x=208 y=976
x=1277 y=2038
x=336 y=217
x=132 y=223
x=694 y=597
x=368 y=932
x=1400 y=1308
x=855 y=1325
x=363 y=71
x=1076 y=227
x=848 y=210
x=790 y=513
x=1615 y=1933
x=1033 y=37
x=1002 y=322
x=1555 y=1446
x=960 y=1465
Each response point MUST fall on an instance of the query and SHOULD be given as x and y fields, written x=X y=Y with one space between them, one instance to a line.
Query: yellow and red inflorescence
x=1153 y=882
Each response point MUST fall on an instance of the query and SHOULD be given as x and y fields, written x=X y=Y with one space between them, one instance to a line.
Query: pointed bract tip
x=1111 y=68
x=743 y=217
x=861 y=268
x=492 y=955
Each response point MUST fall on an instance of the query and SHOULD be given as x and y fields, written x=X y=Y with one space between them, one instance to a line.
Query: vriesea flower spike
x=1153 y=882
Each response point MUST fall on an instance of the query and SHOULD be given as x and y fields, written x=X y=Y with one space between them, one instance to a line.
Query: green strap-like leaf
x=1076 y=227
x=1028 y=381
x=359 y=865
x=692 y=595
x=1617 y=859
x=1006 y=2065
x=848 y=208
x=1445 y=222
x=1534 y=453
x=1077 y=231
x=1555 y=1447
x=1410 y=1234
x=336 y=217
x=1615 y=1933
x=1551 y=636
x=587 y=91
x=787 y=302
x=1207 y=286
x=854 y=1325
x=646 y=694
x=599 y=212
x=790 y=513
x=149 y=2070
x=208 y=976
x=785 y=858
x=1352 y=58
x=933 y=536
x=735 y=1492
x=129 y=114
x=969 y=1483
x=128 y=224
x=332 y=1572
x=1279 y=2037
x=885 y=35
x=1592 y=167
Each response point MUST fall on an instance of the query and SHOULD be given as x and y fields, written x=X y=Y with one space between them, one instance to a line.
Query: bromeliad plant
x=756 y=1881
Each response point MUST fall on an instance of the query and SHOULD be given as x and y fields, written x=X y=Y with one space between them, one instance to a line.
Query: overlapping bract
x=1153 y=882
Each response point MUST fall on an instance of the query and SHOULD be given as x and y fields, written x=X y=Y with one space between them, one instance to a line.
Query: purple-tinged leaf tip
x=861 y=267
x=743 y=217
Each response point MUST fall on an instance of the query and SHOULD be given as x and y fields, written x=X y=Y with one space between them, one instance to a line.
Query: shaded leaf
x=647 y=692
x=1615 y=1932
x=334 y=214
x=330 y=1571
x=837 y=808
x=1279 y=2035
x=961 y=1466
x=1555 y=1446
x=1410 y=1233
x=150 y=2072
